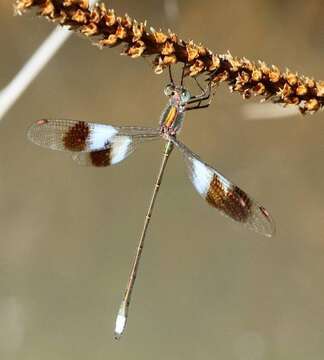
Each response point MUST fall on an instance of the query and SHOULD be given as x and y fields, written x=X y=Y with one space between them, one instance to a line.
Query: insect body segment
x=171 y=120
x=172 y=117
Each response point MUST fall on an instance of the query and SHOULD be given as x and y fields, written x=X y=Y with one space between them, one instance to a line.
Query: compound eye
x=169 y=90
x=185 y=95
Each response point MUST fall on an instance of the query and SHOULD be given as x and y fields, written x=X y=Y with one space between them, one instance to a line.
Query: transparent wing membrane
x=120 y=148
x=92 y=144
x=225 y=196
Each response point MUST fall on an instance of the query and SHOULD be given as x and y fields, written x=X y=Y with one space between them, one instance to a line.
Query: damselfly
x=103 y=145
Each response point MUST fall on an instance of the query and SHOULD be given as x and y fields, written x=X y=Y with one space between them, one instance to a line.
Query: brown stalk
x=248 y=78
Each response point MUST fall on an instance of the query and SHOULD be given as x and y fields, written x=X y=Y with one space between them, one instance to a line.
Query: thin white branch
x=10 y=94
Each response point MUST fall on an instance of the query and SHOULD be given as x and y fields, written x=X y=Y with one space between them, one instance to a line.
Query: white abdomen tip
x=120 y=324
x=121 y=321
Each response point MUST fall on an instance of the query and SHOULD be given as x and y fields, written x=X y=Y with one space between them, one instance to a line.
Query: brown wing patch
x=101 y=158
x=234 y=202
x=76 y=137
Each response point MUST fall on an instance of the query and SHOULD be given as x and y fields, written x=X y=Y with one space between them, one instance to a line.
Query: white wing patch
x=100 y=135
x=201 y=176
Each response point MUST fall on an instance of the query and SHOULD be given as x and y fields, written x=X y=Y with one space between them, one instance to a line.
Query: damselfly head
x=169 y=90
x=177 y=94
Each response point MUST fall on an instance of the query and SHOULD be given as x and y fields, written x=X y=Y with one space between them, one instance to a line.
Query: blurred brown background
x=207 y=288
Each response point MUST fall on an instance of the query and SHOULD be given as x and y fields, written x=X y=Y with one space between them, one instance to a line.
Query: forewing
x=225 y=196
x=92 y=144
x=71 y=135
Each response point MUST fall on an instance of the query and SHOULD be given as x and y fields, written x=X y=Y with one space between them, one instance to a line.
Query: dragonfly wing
x=225 y=196
x=70 y=135
x=91 y=144
x=120 y=147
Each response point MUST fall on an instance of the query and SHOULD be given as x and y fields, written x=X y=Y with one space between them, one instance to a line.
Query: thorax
x=172 y=119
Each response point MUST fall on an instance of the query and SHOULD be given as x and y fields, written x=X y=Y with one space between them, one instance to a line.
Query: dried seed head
x=192 y=51
x=106 y=29
x=169 y=60
x=23 y=5
x=158 y=36
x=235 y=63
x=138 y=29
x=79 y=16
x=222 y=76
x=286 y=91
x=310 y=83
x=202 y=51
x=158 y=65
x=172 y=37
x=89 y=30
x=62 y=18
x=259 y=89
x=291 y=78
x=243 y=77
x=294 y=100
x=111 y=40
x=136 y=50
x=247 y=93
x=301 y=90
x=215 y=63
x=264 y=68
x=196 y=68
x=274 y=74
x=47 y=9
x=126 y=21
x=110 y=18
x=320 y=88
x=256 y=75
x=121 y=32
x=312 y=105
x=84 y=4
x=168 y=48
x=98 y=13
x=247 y=64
